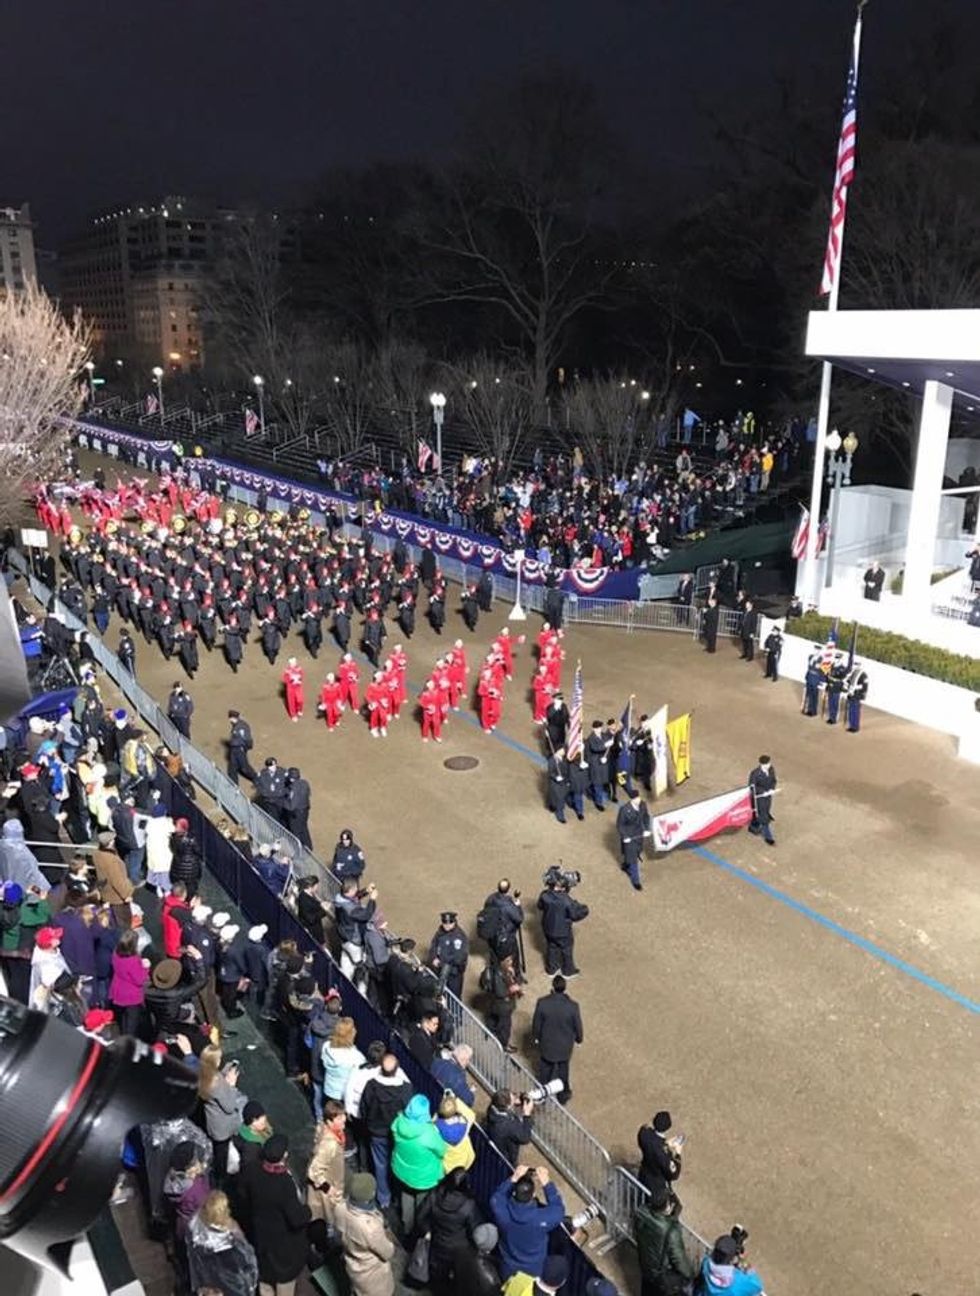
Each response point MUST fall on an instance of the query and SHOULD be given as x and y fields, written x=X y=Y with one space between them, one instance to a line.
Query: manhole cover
x=461 y=763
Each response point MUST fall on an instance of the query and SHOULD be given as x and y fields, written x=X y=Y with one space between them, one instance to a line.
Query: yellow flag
x=679 y=738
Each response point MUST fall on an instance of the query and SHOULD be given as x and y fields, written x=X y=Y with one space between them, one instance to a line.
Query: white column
x=930 y=464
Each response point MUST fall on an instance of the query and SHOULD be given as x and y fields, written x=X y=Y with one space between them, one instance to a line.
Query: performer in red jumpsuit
x=491 y=698
x=378 y=701
x=292 y=677
x=457 y=670
x=543 y=692
x=431 y=713
x=349 y=675
x=331 y=702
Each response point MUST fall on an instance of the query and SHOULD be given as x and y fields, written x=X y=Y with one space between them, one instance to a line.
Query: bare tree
x=497 y=404
x=519 y=227
x=402 y=384
x=41 y=356
x=244 y=301
x=348 y=402
x=611 y=420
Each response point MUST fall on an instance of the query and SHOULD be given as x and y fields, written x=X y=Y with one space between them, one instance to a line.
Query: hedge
x=894 y=650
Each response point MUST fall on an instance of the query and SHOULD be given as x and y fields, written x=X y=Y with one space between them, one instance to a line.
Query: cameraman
x=509 y=1123
x=558 y=912
x=499 y=922
x=725 y=1272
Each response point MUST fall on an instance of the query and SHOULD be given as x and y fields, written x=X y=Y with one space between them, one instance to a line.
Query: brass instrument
x=148 y=527
x=231 y=517
x=75 y=536
x=253 y=519
x=111 y=527
x=304 y=515
x=276 y=518
x=178 y=524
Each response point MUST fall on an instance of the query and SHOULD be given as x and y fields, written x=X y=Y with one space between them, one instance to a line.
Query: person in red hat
x=491 y=698
x=292 y=677
x=331 y=701
x=97 y=1019
x=349 y=676
x=504 y=645
x=431 y=713
x=378 y=701
x=47 y=965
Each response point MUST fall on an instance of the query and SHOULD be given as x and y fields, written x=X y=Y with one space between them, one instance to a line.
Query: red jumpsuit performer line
x=543 y=692
x=331 y=702
x=378 y=703
x=390 y=678
x=545 y=636
x=550 y=662
x=431 y=713
x=457 y=670
x=443 y=687
x=505 y=647
x=399 y=662
x=491 y=700
x=348 y=675
x=292 y=677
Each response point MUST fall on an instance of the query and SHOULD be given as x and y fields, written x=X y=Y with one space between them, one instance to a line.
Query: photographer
x=352 y=915
x=499 y=922
x=661 y=1164
x=725 y=1272
x=558 y=912
x=509 y=1123
x=524 y=1222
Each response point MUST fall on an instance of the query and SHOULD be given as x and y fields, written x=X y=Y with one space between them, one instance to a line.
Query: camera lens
x=66 y=1104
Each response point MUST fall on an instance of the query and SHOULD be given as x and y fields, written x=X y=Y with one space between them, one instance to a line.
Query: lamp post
x=438 y=402
x=90 y=370
x=259 y=385
x=838 y=475
x=517 y=612
x=158 y=379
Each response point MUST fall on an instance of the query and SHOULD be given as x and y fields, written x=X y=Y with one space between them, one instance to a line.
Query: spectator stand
x=560 y=1137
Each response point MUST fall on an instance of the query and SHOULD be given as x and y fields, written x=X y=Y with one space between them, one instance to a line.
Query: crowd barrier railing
x=580 y=1157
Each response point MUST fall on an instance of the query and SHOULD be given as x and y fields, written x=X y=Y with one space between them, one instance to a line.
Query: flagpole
x=811 y=574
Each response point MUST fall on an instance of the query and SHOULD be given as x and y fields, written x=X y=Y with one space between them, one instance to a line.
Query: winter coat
x=325 y=1171
x=418 y=1150
x=185 y=865
x=185 y=1196
x=524 y=1228
x=338 y=1063
x=223 y=1109
x=159 y=831
x=455 y=1132
x=220 y=1259
x=112 y=878
x=129 y=978
x=556 y=1026
x=174 y=911
x=367 y=1250
x=450 y=1215
x=384 y=1097
x=78 y=942
x=660 y=1246
x=727 y=1280
x=279 y=1220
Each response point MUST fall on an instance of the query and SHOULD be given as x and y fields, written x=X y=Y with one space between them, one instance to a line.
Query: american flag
x=830 y=647
x=575 y=715
x=251 y=422
x=801 y=536
x=845 y=170
x=425 y=454
x=152 y=404
x=823 y=535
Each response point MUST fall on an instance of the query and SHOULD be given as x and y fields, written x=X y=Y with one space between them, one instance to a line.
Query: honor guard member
x=127 y=652
x=239 y=745
x=556 y=721
x=857 y=691
x=774 y=648
x=836 y=683
x=813 y=682
x=180 y=708
x=641 y=753
x=709 y=626
x=747 y=631
x=559 y=912
x=633 y=826
x=597 y=747
x=449 y=952
x=558 y=788
x=578 y=784
x=874 y=580
x=762 y=785
x=270 y=789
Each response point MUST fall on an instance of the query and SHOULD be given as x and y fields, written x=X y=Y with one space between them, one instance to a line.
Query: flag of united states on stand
x=844 y=174
x=575 y=716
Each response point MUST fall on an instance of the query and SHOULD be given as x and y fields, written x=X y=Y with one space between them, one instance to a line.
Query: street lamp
x=259 y=385
x=90 y=367
x=838 y=475
x=517 y=612
x=438 y=402
x=158 y=379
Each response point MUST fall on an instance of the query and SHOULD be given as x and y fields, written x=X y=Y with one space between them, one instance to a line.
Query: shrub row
x=895 y=650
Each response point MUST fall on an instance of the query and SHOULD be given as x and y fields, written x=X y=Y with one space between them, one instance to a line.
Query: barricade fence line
x=582 y=1160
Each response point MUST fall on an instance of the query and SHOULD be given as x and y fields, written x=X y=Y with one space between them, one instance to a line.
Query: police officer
x=762 y=785
x=296 y=807
x=270 y=789
x=449 y=952
x=813 y=682
x=559 y=911
x=127 y=652
x=633 y=825
x=180 y=708
x=239 y=745
x=857 y=691
x=773 y=647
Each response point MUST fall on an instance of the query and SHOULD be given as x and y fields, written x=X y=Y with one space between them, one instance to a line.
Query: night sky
x=113 y=101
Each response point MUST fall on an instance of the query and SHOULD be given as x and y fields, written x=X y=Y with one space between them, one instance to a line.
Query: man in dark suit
x=556 y=1029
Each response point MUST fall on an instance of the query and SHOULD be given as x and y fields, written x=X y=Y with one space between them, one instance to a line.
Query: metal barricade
x=627 y=1194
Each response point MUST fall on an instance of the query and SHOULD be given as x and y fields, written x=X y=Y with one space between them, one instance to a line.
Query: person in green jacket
x=665 y=1265
x=417 y=1153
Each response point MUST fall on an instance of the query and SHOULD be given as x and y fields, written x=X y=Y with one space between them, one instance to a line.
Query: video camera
x=556 y=876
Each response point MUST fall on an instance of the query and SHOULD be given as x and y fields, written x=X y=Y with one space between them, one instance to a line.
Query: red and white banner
x=702 y=819
x=801 y=536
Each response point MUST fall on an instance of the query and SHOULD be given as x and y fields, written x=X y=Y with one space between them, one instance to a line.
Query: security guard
x=127 y=652
x=449 y=951
x=239 y=745
x=762 y=785
x=180 y=708
x=270 y=790
x=774 y=648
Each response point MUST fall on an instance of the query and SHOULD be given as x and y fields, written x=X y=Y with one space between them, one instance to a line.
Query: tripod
x=58 y=674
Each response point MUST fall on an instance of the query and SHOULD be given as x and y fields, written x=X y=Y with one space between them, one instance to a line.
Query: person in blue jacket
x=722 y=1275
x=524 y=1222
